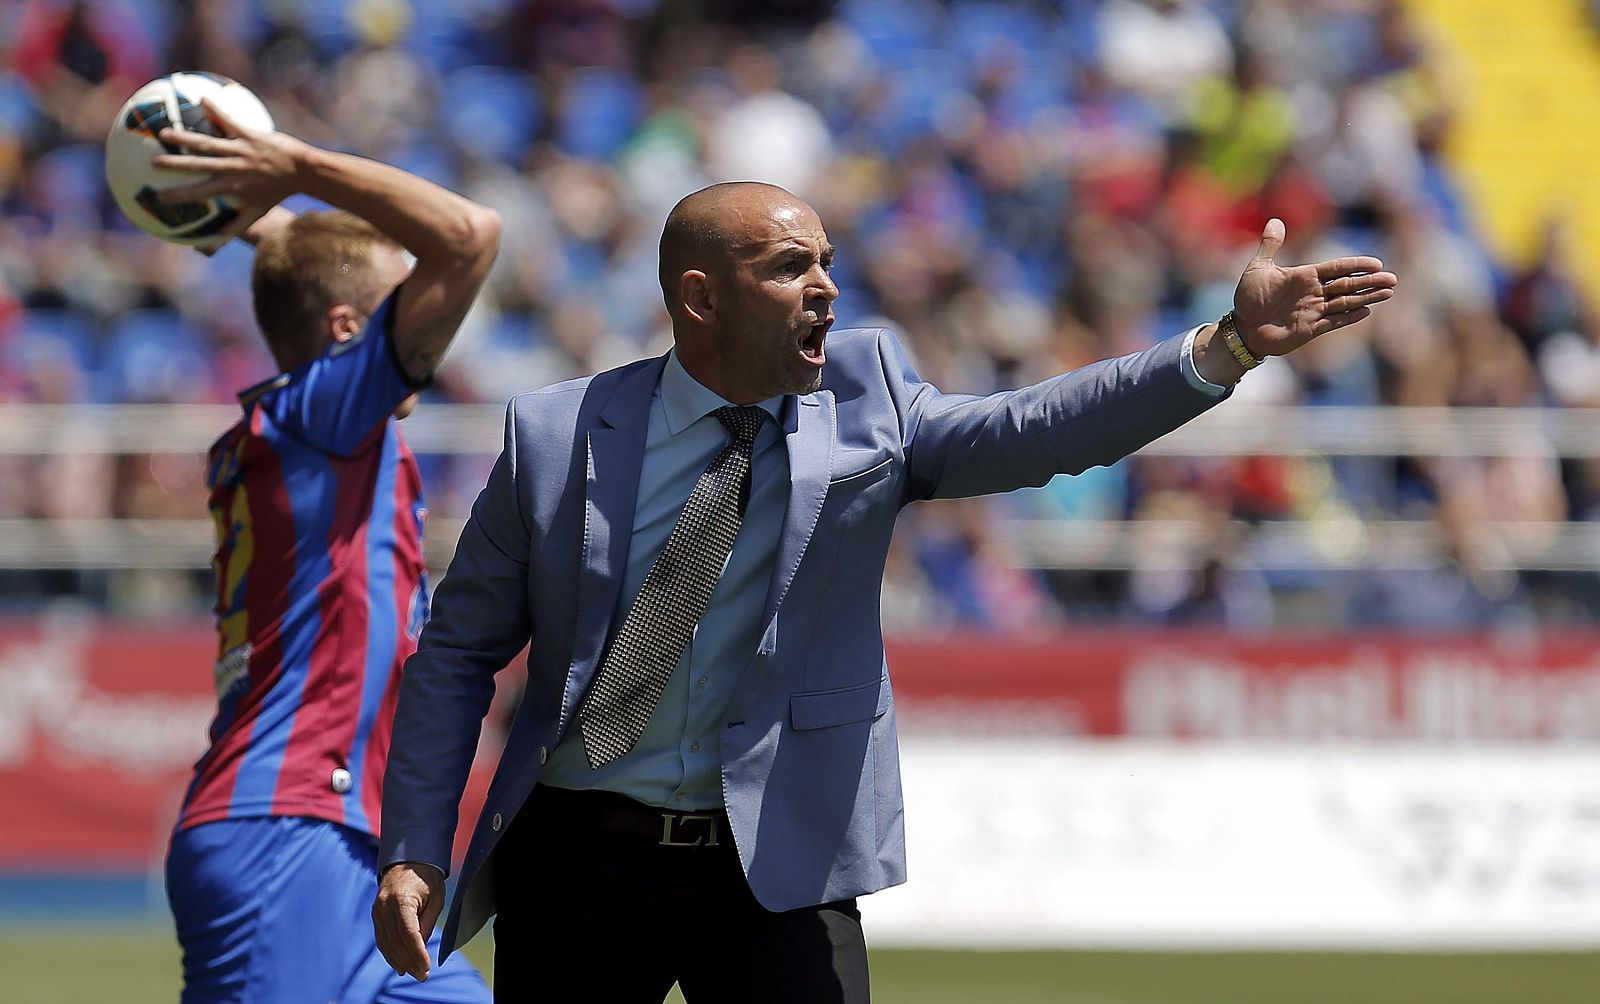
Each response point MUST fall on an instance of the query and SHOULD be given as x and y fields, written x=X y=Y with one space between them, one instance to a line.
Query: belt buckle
x=671 y=821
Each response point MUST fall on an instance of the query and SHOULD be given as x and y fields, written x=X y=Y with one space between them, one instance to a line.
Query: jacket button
x=494 y=824
x=544 y=754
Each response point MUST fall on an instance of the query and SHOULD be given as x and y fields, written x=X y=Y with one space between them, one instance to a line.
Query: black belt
x=621 y=815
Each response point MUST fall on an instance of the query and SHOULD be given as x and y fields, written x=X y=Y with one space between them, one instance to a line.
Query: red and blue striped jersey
x=321 y=589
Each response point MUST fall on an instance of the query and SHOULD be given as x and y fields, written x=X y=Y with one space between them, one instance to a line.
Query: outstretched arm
x=959 y=446
x=1277 y=309
x=454 y=239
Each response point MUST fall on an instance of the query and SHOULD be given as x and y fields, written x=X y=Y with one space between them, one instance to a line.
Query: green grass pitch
x=136 y=965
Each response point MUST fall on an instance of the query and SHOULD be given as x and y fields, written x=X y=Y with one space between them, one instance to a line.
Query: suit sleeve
x=959 y=445
x=336 y=401
x=481 y=620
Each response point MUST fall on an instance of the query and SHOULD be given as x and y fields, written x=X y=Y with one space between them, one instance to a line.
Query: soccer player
x=321 y=588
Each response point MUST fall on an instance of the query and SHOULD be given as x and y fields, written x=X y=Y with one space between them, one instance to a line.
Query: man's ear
x=343 y=322
x=694 y=292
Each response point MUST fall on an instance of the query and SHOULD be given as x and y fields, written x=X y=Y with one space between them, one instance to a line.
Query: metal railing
x=1231 y=430
x=1235 y=430
x=1066 y=544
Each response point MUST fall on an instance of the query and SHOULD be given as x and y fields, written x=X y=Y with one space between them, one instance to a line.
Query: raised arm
x=454 y=239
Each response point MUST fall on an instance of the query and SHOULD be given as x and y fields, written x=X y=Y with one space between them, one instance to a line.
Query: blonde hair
x=304 y=269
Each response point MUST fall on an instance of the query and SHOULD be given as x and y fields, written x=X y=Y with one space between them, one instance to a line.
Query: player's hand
x=1279 y=309
x=410 y=899
x=257 y=169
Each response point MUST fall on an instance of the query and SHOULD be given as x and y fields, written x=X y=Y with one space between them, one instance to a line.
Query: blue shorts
x=279 y=908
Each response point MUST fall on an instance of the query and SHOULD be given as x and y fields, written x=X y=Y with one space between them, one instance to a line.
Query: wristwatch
x=1230 y=337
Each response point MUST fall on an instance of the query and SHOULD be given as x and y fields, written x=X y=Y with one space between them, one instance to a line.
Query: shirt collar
x=686 y=400
x=252 y=393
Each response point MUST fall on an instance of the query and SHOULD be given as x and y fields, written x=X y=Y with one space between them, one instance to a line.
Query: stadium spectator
x=1569 y=364
x=765 y=132
x=214 y=34
x=82 y=58
x=382 y=98
x=1244 y=124
x=548 y=36
x=1544 y=297
x=1215 y=587
x=1161 y=48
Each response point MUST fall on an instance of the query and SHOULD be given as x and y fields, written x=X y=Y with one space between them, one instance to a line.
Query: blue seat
x=154 y=16
x=17 y=110
x=67 y=331
x=1076 y=36
x=513 y=330
x=894 y=30
x=1043 y=82
x=974 y=27
x=441 y=36
x=327 y=25
x=55 y=341
x=229 y=269
x=72 y=179
x=491 y=110
x=921 y=89
x=855 y=307
x=1169 y=320
x=154 y=355
x=432 y=161
x=599 y=110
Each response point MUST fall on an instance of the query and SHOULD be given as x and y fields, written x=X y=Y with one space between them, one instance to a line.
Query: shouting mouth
x=811 y=341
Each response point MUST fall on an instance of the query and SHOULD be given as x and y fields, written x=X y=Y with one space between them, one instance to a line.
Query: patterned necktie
x=672 y=599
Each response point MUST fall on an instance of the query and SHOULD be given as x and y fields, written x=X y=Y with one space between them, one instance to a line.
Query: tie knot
x=743 y=423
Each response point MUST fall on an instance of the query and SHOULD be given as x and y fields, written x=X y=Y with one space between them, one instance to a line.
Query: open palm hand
x=1278 y=309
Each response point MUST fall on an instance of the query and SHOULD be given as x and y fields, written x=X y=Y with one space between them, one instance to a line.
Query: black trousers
x=604 y=899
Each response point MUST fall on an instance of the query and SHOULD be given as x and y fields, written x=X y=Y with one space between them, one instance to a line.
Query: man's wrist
x=422 y=868
x=1213 y=361
x=314 y=172
x=1228 y=327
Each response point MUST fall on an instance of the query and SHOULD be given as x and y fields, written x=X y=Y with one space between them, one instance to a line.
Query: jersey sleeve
x=336 y=401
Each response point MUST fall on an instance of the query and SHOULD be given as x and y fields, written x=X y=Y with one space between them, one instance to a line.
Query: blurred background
x=1316 y=675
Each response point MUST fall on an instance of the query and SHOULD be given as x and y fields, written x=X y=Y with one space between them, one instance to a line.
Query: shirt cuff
x=1191 y=372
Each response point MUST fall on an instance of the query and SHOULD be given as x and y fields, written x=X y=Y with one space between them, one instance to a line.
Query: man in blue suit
x=703 y=773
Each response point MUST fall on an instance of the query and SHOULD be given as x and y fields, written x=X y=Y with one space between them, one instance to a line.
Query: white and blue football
x=174 y=100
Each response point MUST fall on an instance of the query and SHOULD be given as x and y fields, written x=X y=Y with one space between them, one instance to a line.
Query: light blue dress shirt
x=677 y=761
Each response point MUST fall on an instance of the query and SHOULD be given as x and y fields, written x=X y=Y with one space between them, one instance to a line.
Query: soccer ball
x=174 y=100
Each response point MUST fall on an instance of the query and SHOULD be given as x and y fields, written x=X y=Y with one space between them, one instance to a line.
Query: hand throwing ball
x=174 y=100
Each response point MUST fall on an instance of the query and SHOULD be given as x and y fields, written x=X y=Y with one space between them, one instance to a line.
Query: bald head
x=744 y=271
x=708 y=230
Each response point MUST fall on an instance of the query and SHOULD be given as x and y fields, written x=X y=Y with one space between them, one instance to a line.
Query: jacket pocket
x=857 y=473
x=823 y=708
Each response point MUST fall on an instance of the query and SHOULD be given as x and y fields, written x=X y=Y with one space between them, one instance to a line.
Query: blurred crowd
x=1018 y=188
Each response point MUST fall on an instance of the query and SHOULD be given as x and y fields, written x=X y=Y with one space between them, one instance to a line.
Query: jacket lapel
x=615 y=453
x=810 y=445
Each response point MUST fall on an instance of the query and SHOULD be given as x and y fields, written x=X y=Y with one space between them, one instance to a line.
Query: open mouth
x=811 y=343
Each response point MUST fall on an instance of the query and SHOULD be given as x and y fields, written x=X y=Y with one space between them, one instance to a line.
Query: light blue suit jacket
x=810 y=761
